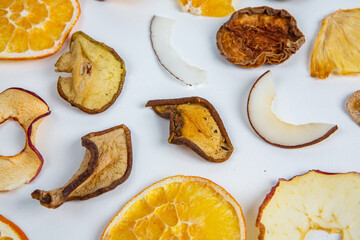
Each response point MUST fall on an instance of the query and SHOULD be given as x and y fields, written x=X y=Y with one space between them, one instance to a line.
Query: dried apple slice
x=313 y=201
x=106 y=164
x=353 y=106
x=195 y=123
x=28 y=109
x=98 y=74
x=10 y=231
x=160 y=31
x=337 y=45
x=255 y=36
x=271 y=129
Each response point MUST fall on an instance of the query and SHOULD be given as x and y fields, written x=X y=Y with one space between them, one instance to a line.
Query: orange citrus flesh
x=179 y=208
x=9 y=231
x=210 y=8
x=35 y=28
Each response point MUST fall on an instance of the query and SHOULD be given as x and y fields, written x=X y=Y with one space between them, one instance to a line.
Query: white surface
x=254 y=166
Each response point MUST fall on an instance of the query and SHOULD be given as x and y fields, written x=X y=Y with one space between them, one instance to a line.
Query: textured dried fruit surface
x=337 y=45
x=353 y=106
x=210 y=8
x=9 y=230
x=255 y=36
x=194 y=122
x=34 y=28
x=106 y=164
x=28 y=110
x=178 y=208
x=313 y=201
x=98 y=74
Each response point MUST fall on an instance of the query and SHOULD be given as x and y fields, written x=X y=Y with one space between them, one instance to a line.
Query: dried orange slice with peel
x=210 y=8
x=35 y=28
x=9 y=230
x=179 y=208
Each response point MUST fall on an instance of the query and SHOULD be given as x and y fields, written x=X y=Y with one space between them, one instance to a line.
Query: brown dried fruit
x=98 y=74
x=195 y=123
x=106 y=164
x=255 y=36
x=353 y=106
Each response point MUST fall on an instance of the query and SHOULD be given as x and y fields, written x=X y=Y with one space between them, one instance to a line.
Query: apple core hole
x=322 y=235
x=12 y=138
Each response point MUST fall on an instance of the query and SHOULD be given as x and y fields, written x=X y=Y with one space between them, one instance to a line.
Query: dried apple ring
x=255 y=36
x=28 y=109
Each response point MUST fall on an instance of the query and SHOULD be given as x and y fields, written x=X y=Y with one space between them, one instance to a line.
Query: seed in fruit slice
x=34 y=29
x=271 y=129
x=179 y=207
x=337 y=45
x=28 y=109
x=313 y=201
x=9 y=230
x=210 y=8
x=106 y=164
x=194 y=122
x=160 y=31
x=255 y=36
x=98 y=74
x=353 y=106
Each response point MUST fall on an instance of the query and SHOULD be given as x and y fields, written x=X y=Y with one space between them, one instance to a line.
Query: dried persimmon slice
x=194 y=122
x=28 y=109
x=255 y=36
x=107 y=163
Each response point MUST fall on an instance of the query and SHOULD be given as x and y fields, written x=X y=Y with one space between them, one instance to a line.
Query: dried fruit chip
x=337 y=45
x=160 y=31
x=106 y=164
x=313 y=201
x=9 y=230
x=28 y=110
x=195 y=123
x=98 y=74
x=210 y=8
x=353 y=106
x=34 y=29
x=255 y=36
x=178 y=208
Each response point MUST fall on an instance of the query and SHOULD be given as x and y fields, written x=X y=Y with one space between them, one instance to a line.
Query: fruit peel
x=98 y=74
x=256 y=36
x=107 y=163
x=28 y=109
x=194 y=122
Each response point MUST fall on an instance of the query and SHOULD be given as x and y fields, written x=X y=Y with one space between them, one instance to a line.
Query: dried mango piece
x=353 y=106
x=98 y=74
x=337 y=45
x=255 y=36
x=195 y=123
x=106 y=164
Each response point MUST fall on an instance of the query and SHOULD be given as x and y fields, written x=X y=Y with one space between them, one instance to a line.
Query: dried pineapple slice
x=337 y=45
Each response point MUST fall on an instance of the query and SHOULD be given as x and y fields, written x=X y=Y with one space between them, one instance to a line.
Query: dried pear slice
x=353 y=106
x=337 y=45
x=28 y=109
x=255 y=36
x=195 y=123
x=98 y=74
x=106 y=164
x=313 y=201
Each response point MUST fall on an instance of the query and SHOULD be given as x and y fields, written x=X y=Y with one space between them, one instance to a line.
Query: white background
x=248 y=175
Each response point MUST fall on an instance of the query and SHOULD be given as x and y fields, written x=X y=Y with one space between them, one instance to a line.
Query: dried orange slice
x=179 y=208
x=210 y=8
x=35 y=28
x=9 y=230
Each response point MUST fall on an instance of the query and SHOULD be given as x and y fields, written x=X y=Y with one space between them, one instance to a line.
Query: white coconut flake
x=160 y=31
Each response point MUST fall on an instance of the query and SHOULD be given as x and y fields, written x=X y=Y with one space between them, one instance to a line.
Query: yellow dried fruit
x=353 y=106
x=337 y=45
